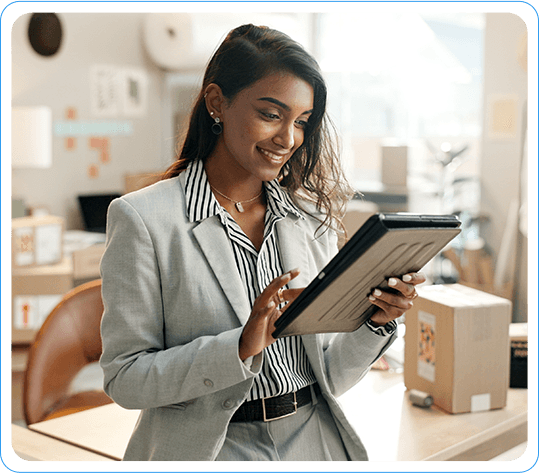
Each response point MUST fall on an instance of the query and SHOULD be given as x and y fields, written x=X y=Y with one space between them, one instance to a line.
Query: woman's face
x=265 y=124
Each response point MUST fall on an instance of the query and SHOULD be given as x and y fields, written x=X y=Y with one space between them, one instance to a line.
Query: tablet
x=387 y=245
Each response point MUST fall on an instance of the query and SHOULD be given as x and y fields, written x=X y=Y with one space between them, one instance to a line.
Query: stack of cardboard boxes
x=40 y=273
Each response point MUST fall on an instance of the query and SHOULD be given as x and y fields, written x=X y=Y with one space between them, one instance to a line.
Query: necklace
x=238 y=204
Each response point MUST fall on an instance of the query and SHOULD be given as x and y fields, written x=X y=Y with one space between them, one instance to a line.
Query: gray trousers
x=308 y=435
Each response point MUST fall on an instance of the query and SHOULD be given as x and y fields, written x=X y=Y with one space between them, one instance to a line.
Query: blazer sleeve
x=139 y=371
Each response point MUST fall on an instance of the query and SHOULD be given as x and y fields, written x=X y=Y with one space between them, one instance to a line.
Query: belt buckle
x=295 y=403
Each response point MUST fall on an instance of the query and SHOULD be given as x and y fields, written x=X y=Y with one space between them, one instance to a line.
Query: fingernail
x=377 y=292
x=372 y=298
x=392 y=282
x=407 y=278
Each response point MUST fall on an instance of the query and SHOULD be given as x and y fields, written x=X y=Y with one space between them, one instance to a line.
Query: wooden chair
x=68 y=341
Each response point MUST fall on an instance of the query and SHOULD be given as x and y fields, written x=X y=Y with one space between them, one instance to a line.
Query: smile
x=279 y=158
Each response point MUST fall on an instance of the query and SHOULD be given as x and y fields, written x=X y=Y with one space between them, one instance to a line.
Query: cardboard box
x=457 y=347
x=86 y=249
x=86 y=262
x=35 y=292
x=518 y=334
x=36 y=241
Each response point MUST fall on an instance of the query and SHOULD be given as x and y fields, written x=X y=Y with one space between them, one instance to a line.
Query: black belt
x=273 y=408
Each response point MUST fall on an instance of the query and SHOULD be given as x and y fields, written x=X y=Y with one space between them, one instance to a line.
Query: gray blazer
x=174 y=311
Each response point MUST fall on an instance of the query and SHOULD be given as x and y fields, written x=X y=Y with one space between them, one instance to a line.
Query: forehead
x=283 y=86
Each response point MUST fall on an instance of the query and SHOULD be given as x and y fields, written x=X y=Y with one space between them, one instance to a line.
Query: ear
x=215 y=100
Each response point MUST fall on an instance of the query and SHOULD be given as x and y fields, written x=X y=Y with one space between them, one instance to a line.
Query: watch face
x=45 y=33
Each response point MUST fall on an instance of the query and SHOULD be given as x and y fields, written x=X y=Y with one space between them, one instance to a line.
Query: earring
x=217 y=128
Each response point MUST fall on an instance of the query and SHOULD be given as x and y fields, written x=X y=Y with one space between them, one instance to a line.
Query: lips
x=273 y=157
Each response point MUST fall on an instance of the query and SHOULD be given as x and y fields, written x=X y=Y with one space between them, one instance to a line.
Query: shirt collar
x=279 y=201
x=200 y=201
x=202 y=204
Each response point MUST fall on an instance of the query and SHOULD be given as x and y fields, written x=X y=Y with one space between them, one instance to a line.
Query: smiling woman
x=247 y=55
x=198 y=267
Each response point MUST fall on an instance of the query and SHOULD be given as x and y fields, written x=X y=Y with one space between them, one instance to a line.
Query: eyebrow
x=281 y=104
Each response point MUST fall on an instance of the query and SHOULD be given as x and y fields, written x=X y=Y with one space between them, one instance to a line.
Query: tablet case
x=386 y=245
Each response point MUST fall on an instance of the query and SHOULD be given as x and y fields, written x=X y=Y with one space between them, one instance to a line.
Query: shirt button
x=209 y=383
x=228 y=404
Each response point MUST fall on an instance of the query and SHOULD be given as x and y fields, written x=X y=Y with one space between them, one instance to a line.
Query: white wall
x=504 y=79
x=62 y=81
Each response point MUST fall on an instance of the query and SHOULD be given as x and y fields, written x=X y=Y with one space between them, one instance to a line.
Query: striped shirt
x=286 y=367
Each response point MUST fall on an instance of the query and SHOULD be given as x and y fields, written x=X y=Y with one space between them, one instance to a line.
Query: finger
x=265 y=311
x=407 y=290
x=394 y=300
x=279 y=282
x=391 y=311
x=290 y=295
x=414 y=278
x=282 y=280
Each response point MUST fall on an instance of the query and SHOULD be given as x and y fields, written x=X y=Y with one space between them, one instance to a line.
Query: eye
x=270 y=115
x=302 y=123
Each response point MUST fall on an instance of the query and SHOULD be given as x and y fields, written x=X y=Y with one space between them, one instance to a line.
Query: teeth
x=270 y=155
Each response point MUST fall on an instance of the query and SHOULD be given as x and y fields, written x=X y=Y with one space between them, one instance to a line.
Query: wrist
x=245 y=351
x=377 y=322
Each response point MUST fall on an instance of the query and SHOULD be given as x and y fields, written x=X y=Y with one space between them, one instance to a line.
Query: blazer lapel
x=215 y=245
x=293 y=246
x=292 y=240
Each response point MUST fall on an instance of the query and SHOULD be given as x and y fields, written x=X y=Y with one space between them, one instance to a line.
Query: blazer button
x=209 y=383
x=228 y=404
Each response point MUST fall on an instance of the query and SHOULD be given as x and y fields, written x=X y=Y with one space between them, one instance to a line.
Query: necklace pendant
x=239 y=207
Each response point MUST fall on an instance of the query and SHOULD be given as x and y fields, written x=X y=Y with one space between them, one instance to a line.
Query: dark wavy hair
x=248 y=54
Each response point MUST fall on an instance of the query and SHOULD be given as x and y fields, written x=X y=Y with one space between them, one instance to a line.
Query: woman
x=200 y=265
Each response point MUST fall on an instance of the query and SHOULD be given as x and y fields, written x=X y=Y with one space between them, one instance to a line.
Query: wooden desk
x=378 y=408
x=32 y=446
x=393 y=429
x=104 y=430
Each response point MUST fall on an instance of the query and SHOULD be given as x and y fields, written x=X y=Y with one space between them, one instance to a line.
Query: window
x=407 y=78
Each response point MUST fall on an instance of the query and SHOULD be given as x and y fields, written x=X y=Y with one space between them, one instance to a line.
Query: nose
x=285 y=137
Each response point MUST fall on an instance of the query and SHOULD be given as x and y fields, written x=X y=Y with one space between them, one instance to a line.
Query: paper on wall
x=104 y=91
x=116 y=91
x=502 y=116
x=134 y=92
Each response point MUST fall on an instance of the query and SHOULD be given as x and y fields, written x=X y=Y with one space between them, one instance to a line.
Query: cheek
x=247 y=132
x=299 y=137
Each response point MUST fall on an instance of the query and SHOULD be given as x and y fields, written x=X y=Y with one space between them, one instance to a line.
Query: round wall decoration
x=45 y=33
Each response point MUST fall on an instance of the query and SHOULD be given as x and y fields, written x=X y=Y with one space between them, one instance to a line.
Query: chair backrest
x=68 y=340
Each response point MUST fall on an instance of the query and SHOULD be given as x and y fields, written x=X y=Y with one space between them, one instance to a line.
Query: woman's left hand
x=393 y=305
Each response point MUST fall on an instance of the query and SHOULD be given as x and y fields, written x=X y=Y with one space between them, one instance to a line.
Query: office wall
x=505 y=95
x=63 y=81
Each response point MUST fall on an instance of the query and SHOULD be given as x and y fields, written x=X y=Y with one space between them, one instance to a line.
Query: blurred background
x=430 y=110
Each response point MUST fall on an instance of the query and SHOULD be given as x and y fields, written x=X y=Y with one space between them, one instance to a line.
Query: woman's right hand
x=257 y=331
